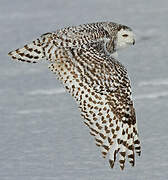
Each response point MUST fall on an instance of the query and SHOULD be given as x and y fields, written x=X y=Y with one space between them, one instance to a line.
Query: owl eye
x=125 y=35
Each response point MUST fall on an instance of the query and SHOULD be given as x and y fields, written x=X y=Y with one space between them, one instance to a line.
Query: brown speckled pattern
x=98 y=82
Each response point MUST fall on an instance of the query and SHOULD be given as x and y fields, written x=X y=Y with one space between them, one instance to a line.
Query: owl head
x=124 y=37
x=120 y=36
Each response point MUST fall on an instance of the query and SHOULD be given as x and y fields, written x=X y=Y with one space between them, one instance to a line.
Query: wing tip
x=14 y=57
x=10 y=53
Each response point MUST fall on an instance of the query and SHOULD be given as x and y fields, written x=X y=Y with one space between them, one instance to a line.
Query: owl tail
x=30 y=53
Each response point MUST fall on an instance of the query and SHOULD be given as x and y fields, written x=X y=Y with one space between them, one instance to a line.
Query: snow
x=42 y=136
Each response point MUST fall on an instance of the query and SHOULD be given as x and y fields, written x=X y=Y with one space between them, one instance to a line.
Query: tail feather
x=113 y=152
x=115 y=148
x=123 y=147
x=30 y=53
x=137 y=144
x=130 y=144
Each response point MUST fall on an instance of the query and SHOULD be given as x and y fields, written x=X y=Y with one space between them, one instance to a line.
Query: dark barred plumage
x=81 y=58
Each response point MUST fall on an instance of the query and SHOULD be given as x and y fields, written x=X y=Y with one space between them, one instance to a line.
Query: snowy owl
x=84 y=58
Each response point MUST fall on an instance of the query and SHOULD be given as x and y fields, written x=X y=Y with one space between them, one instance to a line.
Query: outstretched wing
x=101 y=87
x=48 y=43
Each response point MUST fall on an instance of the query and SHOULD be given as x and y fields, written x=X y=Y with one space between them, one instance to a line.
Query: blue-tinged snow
x=42 y=136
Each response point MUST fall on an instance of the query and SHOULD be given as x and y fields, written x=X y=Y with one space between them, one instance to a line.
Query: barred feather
x=30 y=53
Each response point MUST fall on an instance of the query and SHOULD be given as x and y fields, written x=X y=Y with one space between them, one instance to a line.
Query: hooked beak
x=133 y=42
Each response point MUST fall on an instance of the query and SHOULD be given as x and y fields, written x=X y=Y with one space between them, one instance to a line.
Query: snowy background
x=42 y=136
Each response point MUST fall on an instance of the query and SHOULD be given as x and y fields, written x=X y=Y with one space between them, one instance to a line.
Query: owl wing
x=101 y=87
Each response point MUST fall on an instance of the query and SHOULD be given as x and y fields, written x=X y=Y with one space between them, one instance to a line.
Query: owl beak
x=133 y=42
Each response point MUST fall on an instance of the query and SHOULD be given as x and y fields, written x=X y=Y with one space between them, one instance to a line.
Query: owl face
x=125 y=38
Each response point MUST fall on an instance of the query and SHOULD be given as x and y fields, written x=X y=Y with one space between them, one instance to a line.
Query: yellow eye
x=125 y=35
